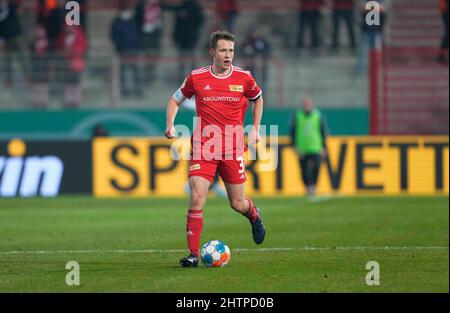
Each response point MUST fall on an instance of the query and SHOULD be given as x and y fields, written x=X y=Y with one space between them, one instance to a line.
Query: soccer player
x=215 y=186
x=221 y=92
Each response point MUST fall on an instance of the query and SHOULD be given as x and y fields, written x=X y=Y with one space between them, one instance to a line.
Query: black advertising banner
x=45 y=168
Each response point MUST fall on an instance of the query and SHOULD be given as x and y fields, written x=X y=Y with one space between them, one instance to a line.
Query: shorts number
x=241 y=164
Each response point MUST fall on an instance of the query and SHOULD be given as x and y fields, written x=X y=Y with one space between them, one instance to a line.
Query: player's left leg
x=233 y=175
x=244 y=205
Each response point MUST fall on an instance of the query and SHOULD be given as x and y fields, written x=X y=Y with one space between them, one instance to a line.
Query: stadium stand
x=411 y=95
x=407 y=76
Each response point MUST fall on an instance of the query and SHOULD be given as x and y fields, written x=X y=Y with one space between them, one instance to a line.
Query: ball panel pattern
x=215 y=253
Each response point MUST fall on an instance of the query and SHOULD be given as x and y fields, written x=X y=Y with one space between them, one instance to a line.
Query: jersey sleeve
x=252 y=91
x=187 y=88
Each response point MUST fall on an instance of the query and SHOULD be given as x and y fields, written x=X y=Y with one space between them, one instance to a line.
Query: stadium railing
x=409 y=92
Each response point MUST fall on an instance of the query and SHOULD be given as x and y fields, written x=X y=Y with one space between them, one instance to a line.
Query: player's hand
x=170 y=132
x=254 y=137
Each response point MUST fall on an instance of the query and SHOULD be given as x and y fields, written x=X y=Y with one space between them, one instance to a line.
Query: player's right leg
x=199 y=187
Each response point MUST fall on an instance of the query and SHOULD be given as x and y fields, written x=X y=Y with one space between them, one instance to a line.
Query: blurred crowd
x=58 y=52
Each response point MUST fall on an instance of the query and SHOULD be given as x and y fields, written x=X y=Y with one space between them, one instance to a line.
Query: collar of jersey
x=221 y=77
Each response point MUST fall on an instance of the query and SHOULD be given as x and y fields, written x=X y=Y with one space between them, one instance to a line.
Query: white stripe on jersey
x=200 y=70
x=259 y=95
x=238 y=69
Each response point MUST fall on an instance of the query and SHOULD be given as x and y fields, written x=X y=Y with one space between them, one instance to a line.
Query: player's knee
x=237 y=204
x=197 y=201
x=196 y=204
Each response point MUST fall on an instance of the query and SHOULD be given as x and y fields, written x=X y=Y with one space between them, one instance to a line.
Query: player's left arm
x=254 y=95
x=257 y=110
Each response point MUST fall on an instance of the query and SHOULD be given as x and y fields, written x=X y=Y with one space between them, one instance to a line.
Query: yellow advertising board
x=355 y=165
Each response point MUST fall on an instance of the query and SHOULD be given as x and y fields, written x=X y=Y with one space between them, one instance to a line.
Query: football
x=215 y=254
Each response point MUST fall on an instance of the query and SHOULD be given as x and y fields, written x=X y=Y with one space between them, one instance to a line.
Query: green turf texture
x=101 y=225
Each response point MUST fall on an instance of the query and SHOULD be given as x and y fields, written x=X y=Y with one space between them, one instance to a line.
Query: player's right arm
x=185 y=91
x=172 y=110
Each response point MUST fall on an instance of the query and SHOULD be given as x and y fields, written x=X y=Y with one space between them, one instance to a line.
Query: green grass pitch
x=134 y=245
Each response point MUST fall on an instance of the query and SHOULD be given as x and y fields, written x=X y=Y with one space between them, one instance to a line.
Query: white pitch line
x=237 y=250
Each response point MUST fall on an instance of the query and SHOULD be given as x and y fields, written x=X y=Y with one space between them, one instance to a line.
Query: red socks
x=194 y=229
x=251 y=214
x=194 y=226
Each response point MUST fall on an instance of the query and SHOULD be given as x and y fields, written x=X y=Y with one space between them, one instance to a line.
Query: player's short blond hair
x=218 y=35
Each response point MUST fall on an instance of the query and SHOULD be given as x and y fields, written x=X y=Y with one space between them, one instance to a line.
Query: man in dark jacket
x=127 y=41
x=343 y=11
x=51 y=14
x=371 y=33
x=256 y=50
x=149 y=19
x=12 y=36
x=310 y=17
x=189 y=19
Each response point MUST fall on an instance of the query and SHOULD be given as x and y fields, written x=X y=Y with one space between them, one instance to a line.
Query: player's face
x=223 y=54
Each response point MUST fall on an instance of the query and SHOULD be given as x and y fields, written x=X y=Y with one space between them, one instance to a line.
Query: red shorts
x=231 y=171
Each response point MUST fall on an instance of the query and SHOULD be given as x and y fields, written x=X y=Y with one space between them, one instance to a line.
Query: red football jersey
x=221 y=104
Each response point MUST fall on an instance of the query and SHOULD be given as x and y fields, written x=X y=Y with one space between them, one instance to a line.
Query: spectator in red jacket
x=343 y=11
x=71 y=46
x=227 y=11
x=310 y=17
x=40 y=68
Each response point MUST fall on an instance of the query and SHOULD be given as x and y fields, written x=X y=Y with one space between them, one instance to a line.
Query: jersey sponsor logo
x=238 y=88
x=221 y=99
x=207 y=87
x=194 y=167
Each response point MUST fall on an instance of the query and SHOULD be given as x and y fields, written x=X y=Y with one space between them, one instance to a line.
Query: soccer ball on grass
x=215 y=254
